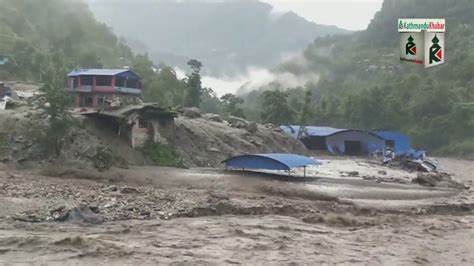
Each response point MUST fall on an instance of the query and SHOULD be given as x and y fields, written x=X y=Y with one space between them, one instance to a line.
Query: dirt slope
x=204 y=143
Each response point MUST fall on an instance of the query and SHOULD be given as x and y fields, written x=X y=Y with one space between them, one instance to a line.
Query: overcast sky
x=347 y=14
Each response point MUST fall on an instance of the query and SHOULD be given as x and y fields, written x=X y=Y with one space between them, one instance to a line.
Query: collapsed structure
x=112 y=98
x=139 y=124
x=349 y=141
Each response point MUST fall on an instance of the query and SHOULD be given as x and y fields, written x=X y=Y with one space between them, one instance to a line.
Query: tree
x=210 y=103
x=275 y=108
x=193 y=97
x=231 y=105
x=56 y=101
x=308 y=110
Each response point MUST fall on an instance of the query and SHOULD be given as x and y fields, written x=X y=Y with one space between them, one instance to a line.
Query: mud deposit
x=163 y=215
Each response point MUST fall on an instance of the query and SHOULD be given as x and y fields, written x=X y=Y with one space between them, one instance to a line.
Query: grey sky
x=347 y=14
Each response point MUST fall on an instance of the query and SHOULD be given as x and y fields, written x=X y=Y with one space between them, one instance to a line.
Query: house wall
x=315 y=142
x=402 y=142
x=140 y=135
x=369 y=143
x=128 y=95
x=158 y=131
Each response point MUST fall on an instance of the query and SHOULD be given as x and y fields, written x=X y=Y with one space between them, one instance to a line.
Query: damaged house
x=354 y=142
x=111 y=98
x=337 y=141
x=396 y=141
x=138 y=124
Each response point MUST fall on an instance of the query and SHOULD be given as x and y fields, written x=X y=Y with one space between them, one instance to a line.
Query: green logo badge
x=436 y=53
x=410 y=47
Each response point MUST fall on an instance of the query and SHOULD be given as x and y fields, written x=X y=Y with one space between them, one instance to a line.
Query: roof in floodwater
x=269 y=161
x=293 y=130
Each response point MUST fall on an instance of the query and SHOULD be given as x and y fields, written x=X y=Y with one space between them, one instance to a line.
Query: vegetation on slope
x=227 y=36
x=37 y=34
x=364 y=85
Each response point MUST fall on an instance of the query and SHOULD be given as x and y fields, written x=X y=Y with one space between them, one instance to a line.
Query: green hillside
x=37 y=34
x=364 y=85
x=227 y=36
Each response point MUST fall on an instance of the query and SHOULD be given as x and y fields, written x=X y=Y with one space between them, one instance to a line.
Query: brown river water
x=237 y=218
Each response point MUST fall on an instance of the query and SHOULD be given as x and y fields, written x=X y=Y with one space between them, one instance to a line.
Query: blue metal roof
x=310 y=131
x=97 y=72
x=270 y=161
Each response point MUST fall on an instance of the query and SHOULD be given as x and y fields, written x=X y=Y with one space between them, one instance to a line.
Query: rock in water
x=192 y=112
x=83 y=214
x=128 y=190
x=252 y=127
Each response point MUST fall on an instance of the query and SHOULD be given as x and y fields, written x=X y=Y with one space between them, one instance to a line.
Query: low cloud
x=252 y=79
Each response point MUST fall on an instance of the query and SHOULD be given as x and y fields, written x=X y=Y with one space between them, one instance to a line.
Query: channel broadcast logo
x=422 y=41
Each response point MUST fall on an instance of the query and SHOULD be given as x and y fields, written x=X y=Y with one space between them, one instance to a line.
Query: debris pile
x=206 y=141
x=436 y=179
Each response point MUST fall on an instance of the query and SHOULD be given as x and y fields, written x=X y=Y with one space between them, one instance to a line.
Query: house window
x=120 y=82
x=100 y=99
x=86 y=101
x=103 y=80
x=74 y=82
x=87 y=80
x=142 y=123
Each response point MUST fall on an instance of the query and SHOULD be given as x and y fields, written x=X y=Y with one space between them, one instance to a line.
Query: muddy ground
x=164 y=215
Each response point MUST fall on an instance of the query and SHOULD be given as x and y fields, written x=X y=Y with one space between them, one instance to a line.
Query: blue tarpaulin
x=269 y=161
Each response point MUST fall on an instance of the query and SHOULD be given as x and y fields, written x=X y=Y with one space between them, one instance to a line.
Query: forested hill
x=39 y=35
x=364 y=85
x=227 y=36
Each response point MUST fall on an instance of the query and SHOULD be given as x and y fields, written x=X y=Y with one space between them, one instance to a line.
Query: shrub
x=161 y=155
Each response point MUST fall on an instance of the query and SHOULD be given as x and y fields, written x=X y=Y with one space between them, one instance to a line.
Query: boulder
x=83 y=214
x=237 y=122
x=192 y=112
x=128 y=190
x=426 y=180
x=213 y=117
x=269 y=126
x=252 y=127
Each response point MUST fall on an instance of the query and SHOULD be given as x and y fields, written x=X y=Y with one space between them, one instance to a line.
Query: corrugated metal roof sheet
x=269 y=161
x=97 y=72
x=124 y=111
x=310 y=130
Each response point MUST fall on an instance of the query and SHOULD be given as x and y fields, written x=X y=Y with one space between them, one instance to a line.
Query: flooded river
x=208 y=216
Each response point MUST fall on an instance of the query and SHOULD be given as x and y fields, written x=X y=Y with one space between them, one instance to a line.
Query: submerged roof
x=310 y=131
x=98 y=72
x=269 y=161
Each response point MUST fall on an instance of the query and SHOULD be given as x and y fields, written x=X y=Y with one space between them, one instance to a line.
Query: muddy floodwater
x=206 y=216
